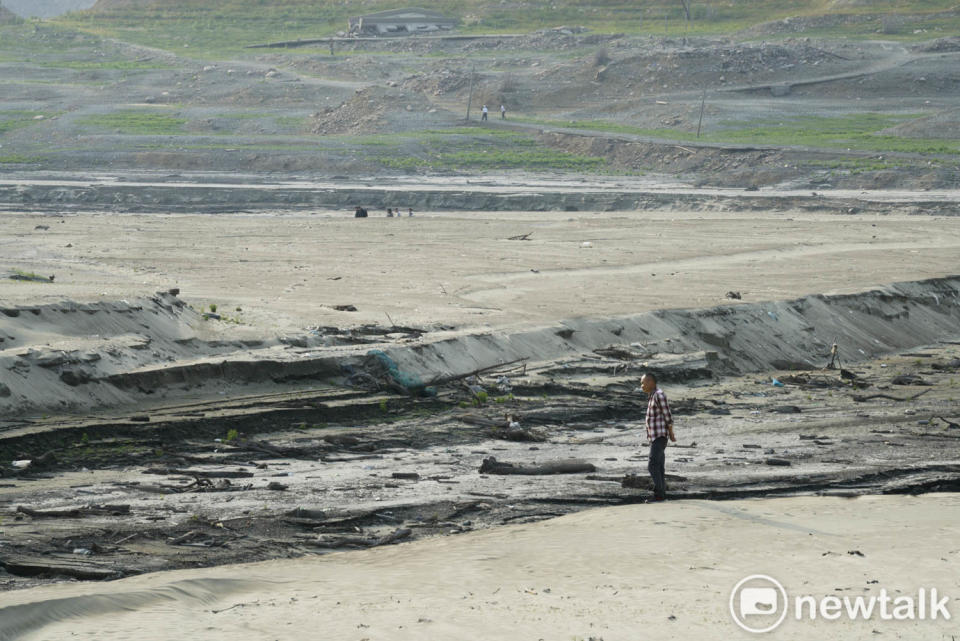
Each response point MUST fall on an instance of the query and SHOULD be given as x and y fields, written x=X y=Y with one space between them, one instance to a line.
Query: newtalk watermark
x=759 y=603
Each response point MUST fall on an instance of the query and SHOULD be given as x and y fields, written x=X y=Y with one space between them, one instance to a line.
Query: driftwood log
x=72 y=513
x=861 y=399
x=58 y=566
x=572 y=466
x=361 y=542
x=172 y=471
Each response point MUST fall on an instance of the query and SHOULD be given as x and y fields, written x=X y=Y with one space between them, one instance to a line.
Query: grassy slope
x=222 y=28
x=860 y=131
x=219 y=30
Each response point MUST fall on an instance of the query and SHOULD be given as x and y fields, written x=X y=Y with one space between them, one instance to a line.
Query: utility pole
x=703 y=101
x=473 y=72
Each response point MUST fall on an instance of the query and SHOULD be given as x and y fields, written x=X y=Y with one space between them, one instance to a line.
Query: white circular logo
x=756 y=601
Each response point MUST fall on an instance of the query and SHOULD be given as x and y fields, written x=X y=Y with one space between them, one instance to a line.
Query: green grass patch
x=861 y=132
x=242 y=115
x=498 y=159
x=471 y=148
x=35 y=37
x=244 y=147
x=99 y=65
x=292 y=122
x=440 y=136
x=203 y=28
x=21 y=275
x=18 y=119
x=20 y=159
x=136 y=122
x=854 y=131
x=612 y=127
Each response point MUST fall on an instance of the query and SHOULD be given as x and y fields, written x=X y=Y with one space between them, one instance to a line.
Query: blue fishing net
x=411 y=382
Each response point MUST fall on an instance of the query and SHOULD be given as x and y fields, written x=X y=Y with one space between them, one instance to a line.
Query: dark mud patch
x=280 y=477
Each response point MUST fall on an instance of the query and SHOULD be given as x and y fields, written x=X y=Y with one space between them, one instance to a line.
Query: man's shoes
x=655 y=499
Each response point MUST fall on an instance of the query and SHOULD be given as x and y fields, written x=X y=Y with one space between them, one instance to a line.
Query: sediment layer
x=113 y=354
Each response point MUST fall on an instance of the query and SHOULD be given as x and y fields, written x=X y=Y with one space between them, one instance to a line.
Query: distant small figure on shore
x=389 y=213
x=409 y=211
x=503 y=112
x=483 y=112
x=359 y=212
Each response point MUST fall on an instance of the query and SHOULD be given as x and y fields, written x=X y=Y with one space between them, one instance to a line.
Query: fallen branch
x=356 y=541
x=950 y=424
x=172 y=471
x=482 y=370
x=184 y=537
x=32 y=566
x=534 y=515
x=306 y=513
x=861 y=399
x=492 y=466
x=86 y=510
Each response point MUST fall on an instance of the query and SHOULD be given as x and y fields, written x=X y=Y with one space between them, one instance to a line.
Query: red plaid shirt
x=658 y=415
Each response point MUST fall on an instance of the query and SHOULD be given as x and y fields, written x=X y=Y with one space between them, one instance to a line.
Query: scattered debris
x=950 y=424
x=491 y=465
x=33 y=278
x=908 y=379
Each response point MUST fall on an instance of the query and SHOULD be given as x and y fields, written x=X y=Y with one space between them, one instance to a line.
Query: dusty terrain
x=205 y=359
x=583 y=576
x=266 y=430
x=287 y=271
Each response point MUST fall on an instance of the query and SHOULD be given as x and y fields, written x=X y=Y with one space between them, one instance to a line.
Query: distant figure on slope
x=389 y=213
x=483 y=112
x=359 y=212
x=503 y=112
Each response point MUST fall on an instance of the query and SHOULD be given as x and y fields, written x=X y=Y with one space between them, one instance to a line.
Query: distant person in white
x=483 y=112
x=503 y=112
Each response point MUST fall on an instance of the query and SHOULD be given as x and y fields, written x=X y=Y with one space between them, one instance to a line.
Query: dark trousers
x=656 y=466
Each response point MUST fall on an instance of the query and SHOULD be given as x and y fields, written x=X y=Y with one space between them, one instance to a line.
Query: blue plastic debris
x=410 y=382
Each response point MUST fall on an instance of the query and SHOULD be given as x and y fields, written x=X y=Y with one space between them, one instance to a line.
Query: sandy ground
x=663 y=571
x=652 y=571
x=443 y=269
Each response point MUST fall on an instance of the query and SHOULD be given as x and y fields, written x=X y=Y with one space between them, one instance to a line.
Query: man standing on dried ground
x=503 y=112
x=659 y=428
x=483 y=112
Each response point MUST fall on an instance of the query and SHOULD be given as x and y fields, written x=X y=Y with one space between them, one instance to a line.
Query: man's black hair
x=652 y=377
